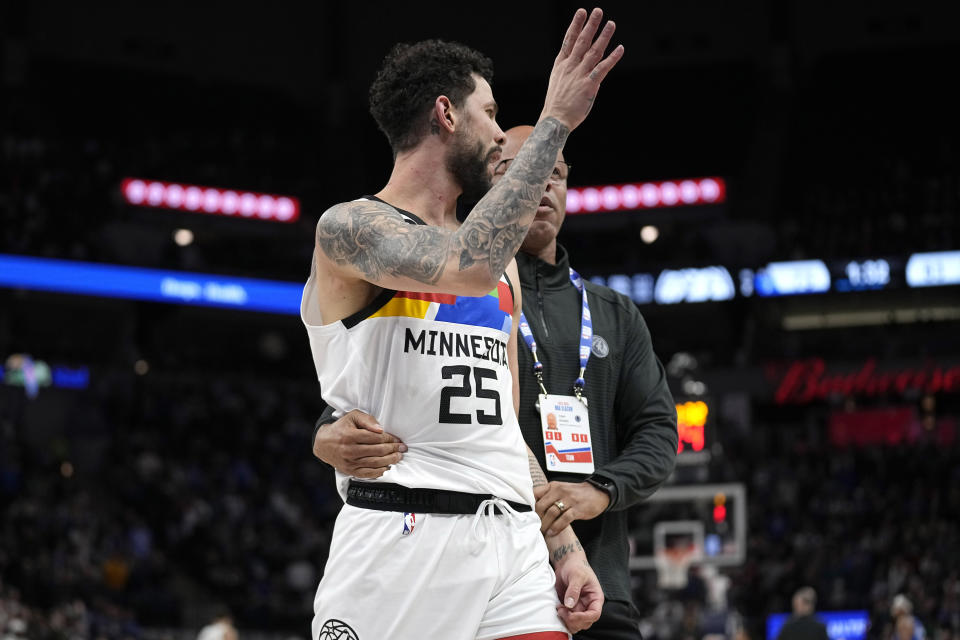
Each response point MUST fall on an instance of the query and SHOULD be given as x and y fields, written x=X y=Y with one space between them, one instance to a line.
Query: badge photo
x=567 y=443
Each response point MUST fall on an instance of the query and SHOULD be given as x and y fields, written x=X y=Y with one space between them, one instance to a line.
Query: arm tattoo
x=372 y=238
x=498 y=223
x=564 y=549
x=536 y=473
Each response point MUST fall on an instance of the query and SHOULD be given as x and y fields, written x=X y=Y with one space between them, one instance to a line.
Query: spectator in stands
x=905 y=624
x=803 y=625
x=221 y=628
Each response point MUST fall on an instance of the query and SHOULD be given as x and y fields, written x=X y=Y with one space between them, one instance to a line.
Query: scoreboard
x=717 y=283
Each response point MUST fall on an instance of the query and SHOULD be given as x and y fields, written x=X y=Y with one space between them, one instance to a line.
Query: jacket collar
x=551 y=276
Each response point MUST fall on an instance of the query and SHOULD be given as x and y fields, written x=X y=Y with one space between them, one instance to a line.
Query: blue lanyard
x=586 y=340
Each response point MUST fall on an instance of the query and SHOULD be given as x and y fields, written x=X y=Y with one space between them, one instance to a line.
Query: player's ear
x=442 y=118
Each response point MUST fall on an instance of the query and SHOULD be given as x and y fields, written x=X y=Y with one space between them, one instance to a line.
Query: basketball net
x=673 y=563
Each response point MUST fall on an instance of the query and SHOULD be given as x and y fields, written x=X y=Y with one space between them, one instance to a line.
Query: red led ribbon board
x=210 y=200
x=646 y=195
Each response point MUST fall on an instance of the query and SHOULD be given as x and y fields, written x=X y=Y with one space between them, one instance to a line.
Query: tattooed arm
x=566 y=541
x=579 y=590
x=368 y=241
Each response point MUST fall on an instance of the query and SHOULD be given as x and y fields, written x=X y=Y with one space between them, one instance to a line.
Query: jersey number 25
x=463 y=390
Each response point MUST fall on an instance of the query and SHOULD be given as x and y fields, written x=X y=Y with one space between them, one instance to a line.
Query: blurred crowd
x=851 y=191
x=203 y=489
x=863 y=526
x=60 y=193
x=160 y=498
x=197 y=491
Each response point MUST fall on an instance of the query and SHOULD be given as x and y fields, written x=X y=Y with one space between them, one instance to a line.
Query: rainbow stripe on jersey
x=492 y=310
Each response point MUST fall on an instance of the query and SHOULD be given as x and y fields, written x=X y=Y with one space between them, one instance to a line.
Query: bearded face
x=470 y=163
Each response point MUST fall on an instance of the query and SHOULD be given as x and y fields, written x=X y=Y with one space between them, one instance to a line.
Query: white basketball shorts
x=391 y=576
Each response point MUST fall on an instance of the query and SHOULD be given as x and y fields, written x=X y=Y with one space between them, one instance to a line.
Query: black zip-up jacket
x=633 y=419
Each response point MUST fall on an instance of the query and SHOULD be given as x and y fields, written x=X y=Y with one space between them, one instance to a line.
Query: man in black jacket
x=631 y=414
x=802 y=625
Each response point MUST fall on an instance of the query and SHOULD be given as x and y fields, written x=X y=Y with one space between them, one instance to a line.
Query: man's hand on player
x=579 y=69
x=579 y=590
x=580 y=500
x=358 y=446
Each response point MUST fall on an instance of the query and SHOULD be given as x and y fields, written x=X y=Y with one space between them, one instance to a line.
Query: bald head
x=515 y=139
x=804 y=601
x=541 y=239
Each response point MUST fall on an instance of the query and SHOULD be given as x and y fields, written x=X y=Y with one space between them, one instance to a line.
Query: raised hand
x=580 y=68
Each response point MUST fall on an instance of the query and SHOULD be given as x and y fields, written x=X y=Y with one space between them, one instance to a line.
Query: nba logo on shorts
x=409 y=522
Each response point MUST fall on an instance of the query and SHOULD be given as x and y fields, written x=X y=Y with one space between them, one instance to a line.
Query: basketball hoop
x=673 y=564
x=677 y=545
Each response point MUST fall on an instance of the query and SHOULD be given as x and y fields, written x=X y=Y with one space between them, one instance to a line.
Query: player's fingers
x=576 y=26
x=565 y=615
x=573 y=619
x=585 y=37
x=572 y=594
x=595 y=605
x=363 y=420
x=576 y=620
x=603 y=67
x=599 y=46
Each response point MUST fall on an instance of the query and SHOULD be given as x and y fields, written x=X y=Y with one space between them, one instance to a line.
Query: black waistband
x=385 y=496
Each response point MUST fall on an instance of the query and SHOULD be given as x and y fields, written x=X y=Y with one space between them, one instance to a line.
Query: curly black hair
x=411 y=78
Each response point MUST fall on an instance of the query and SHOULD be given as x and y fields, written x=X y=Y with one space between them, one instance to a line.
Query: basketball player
x=414 y=319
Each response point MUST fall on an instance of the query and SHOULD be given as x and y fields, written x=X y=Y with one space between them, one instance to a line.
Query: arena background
x=155 y=459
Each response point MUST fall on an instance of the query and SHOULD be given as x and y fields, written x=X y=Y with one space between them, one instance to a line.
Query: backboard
x=710 y=517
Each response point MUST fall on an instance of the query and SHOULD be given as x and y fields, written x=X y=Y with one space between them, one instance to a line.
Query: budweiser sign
x=809 y=380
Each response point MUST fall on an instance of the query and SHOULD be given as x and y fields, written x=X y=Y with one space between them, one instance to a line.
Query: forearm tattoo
x=370 y=237
x=498 y=223
x=563 y=550
x=536 y=473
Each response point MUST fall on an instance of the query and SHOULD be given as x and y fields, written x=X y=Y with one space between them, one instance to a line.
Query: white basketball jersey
x=432 y=369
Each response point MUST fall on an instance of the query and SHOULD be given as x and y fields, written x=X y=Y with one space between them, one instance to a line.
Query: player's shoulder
x=349 y=212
